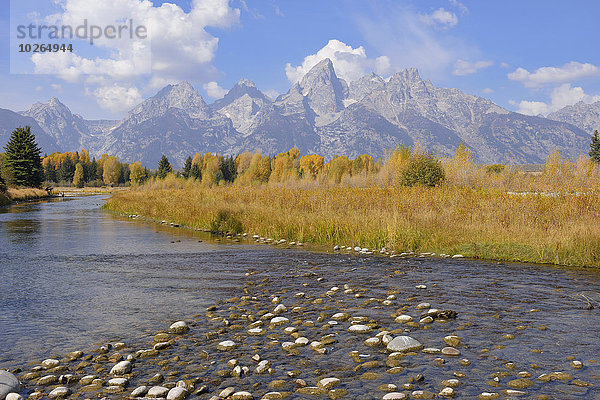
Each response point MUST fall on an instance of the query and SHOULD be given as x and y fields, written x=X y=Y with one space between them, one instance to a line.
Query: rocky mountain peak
x=244 y=87
x=181 y=96
x=324 y=90
x=583 y=115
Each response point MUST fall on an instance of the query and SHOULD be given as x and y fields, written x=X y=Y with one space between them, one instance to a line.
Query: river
x=73 y=277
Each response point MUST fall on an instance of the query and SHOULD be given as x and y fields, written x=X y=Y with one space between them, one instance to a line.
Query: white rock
x=157 y=391
x=280 y=309
x=401 y=319
x=226 y=345
x=228 y=391
x=328 y=383
x=359 y=328
x=459 y=256
x=403 y=344
x=121 y=368
x=8 y=384
x=447 y=392
x=395 y=396
x=279 y=321
x=140 y=391
x=14 y=396
x=50 y=363
x=59 y=393
x=179 y=327
x=118 y=382
x=177 y=393
x=422 y=306
x=340 y=316
x=242 y=396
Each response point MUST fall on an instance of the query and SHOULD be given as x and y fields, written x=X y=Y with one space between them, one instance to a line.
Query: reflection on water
x=72 y=275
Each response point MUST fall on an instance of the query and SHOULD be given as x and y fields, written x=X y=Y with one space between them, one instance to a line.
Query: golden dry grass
x=24 y=194
x=486 y=223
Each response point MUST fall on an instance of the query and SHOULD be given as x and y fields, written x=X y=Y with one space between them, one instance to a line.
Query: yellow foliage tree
x=242 y=162
x=337 y=168
x=78 y=176
x=285 y=166
x=111 y=170
x=310 y=166
x=258 y=170
x=210 y=169
x=136 y=172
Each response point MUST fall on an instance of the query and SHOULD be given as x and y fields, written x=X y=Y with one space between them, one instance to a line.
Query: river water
x=73 y=277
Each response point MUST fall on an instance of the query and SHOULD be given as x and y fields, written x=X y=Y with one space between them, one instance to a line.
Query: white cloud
x=349 y=64
x=178 y=46
x=561 y=96
x=567 y=73
x=463 y=9
x=462 y=67
x=214 y=90
x=505 y=65
x=117 y=98
x=398 y=32
x=440 y=18
x=487 y=90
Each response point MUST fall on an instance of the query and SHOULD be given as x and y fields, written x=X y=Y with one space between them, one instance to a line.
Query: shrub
x=423 y=170
x=226 y=222
x=494 y=169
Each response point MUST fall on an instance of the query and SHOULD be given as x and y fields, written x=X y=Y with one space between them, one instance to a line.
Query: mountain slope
x=69 y=130
x=176 y=122
x=582 y=115
x=321 y=114
x=10 y=120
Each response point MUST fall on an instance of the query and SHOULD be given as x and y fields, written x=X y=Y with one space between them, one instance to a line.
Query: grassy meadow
x=504 y=214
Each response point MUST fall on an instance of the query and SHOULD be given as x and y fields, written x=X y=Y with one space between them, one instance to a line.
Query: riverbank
x=88 y=191
x=13 y=195
x=486 y=224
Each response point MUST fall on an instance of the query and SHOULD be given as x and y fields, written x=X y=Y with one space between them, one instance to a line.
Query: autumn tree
x=23 y=159
x=136 y=173
x=242 y=162
x=164 y=167
x=285 y=166
x=337 y=168
x=111 y=170
x=78 y=180
x=310 y=166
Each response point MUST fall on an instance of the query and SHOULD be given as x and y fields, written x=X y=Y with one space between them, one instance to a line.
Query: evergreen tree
x=49 y=172
x=124 y=177
x=23 y=158
x=228 y=169
x=66 y=170
x=595 y=148
x=91 y=170
x=187 y=167
x=164 y=167
x=196 y=172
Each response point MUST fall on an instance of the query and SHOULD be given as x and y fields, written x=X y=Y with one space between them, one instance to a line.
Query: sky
x=532 y=56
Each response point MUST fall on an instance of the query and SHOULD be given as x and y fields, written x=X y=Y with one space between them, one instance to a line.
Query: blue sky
x=528 y=56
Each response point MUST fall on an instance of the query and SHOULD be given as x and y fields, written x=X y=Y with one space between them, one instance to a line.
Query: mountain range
x=321 y=114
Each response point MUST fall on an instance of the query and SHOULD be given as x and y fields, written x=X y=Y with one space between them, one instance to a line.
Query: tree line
x=22 y=165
